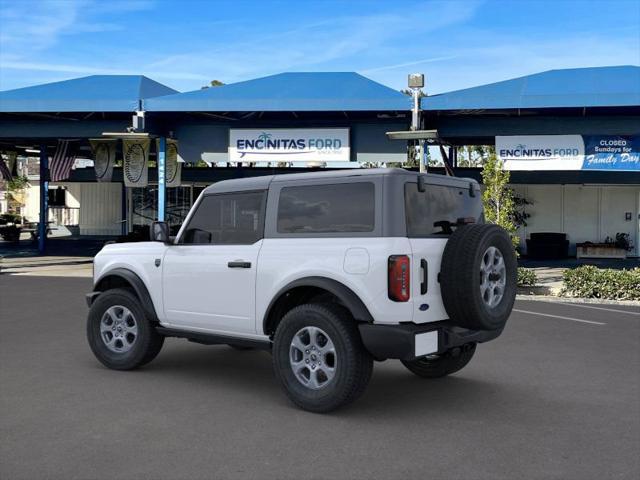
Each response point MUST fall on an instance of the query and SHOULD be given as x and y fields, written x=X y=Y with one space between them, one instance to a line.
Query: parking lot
x=555 y=397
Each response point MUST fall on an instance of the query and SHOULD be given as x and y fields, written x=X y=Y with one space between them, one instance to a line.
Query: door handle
x=239 y=264
x=425 y=276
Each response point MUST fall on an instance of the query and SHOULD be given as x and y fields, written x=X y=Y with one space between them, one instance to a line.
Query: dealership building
x=571 y=139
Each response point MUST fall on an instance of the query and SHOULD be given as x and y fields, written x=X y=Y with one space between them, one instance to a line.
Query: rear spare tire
x=478 y=277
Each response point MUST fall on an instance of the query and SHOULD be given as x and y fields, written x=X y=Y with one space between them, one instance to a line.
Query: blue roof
x=298 y=92
x=577 y=87
x=96 y=93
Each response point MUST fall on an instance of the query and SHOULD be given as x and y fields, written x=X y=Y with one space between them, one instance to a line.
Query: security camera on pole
x=416 y=83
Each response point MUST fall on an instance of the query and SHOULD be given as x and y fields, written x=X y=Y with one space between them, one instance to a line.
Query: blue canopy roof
x=297 y=92
x=576 y=87
x=96 y=93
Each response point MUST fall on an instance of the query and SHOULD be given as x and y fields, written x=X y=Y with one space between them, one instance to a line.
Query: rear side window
x=430 y=212
x=227 y=219
x=335 y=208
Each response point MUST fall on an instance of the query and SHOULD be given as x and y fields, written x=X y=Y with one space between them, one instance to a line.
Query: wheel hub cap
x=312 y=357
x=118 y=329
x=493 y=277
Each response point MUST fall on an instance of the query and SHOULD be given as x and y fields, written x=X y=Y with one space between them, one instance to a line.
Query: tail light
x=399 y=278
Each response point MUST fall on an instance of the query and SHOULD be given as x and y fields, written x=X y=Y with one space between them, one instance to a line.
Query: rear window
x=343 y=207
x=431 y=211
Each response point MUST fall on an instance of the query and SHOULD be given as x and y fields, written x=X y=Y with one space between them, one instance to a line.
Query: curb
x=538 y=290
x=555 y=299
x=8 y=266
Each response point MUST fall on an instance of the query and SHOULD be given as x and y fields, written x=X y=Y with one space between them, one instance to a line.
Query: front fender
x=116 y=277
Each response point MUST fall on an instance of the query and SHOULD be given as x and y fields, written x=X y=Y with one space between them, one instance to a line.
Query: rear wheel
x=119 y=332
x=319 y=358
x=436 y=366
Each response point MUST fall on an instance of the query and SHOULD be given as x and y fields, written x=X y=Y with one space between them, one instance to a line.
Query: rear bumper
x=400 y=341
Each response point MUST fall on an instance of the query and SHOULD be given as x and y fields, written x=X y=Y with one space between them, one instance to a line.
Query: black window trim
x=196 y=206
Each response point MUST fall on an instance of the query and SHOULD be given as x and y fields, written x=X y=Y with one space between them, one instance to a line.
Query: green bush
x=592 y=282
x=527 y=277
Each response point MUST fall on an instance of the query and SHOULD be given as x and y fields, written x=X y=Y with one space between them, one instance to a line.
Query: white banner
x=104 y=157
x=173 y=166
x=541 y=152
x=136 y=162
x=289 y=145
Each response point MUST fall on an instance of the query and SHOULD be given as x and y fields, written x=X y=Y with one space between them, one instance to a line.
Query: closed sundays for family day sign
x=569 y=152
x=289 y=145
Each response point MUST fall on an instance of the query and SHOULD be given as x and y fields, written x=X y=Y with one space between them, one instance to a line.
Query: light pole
x=416 y=83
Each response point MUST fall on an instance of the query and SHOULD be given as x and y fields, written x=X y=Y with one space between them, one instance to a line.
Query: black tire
x=146 y=344
x=442 y=365
x=461 y=277
x=353 y=364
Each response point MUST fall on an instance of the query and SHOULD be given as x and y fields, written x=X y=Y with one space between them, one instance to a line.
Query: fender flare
x=347 y=296
x=136 y=283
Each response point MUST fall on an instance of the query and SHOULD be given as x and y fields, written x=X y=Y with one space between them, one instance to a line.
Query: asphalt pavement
x=555 y=397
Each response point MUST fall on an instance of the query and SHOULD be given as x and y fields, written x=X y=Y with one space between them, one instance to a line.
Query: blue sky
x=184 y=44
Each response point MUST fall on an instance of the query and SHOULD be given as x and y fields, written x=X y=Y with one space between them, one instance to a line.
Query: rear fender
x=346 y=296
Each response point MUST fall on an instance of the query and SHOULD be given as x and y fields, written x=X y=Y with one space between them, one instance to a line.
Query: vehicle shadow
x=393 y=391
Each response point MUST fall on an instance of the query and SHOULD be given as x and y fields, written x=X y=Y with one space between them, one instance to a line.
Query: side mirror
x=159 y=232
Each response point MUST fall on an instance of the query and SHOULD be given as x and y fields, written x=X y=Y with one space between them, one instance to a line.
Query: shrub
x=592 y=282
x=527 y=277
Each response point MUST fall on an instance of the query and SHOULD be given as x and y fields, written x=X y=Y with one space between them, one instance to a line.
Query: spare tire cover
x=478 y=277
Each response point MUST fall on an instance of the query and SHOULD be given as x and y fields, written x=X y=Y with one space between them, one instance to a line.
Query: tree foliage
x=213 y=83
x=498 y=198
x=474 y=155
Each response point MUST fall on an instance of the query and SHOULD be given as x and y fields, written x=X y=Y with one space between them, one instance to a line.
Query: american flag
x=62 y=161
x=4 y=170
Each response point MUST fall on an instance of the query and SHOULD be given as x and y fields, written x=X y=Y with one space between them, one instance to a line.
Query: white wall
x=31 y=208
x=100 y=208
x=73 y=195
x=583 y=212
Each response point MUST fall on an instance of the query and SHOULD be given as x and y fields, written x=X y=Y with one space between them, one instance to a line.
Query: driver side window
x=227 y=219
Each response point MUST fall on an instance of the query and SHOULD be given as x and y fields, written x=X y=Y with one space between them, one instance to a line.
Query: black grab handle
x=425 y=278
x=239 y=264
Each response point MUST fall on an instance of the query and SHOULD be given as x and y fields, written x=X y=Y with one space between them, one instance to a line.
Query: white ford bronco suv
x=327 y=270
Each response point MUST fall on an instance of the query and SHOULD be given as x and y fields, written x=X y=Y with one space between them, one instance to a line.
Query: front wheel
x=436 y=366
x=119 y=332
x=319 y=358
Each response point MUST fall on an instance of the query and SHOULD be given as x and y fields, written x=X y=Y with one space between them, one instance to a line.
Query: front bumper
x=90 y=298
x=410 y=341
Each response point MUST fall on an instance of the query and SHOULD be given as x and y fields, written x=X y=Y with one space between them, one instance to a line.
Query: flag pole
x=44 y=199
x=162 y=178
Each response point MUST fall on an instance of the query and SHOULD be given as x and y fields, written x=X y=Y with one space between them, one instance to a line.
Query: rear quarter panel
x=284 y=260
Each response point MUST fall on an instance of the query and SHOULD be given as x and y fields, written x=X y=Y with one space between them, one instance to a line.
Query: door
x=431 y=216
x=209 y=276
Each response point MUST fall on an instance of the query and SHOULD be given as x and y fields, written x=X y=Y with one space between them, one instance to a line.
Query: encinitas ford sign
x=569 y=152
x=289 y=145
x=541 y=152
